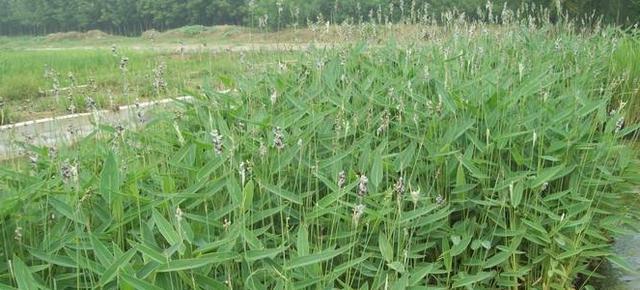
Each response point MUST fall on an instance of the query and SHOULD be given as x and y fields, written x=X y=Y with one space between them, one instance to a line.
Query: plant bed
x=481 y=162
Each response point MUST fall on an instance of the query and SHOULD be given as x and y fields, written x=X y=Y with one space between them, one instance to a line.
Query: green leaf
x=201 y=279
x=556 y=196
x=376 y=169
x=152 y=253
x=340 y=269
x=290 y=196
x=474 y=170
x=622 y=263
x=188 y=264
x=22 y=274
x=568 y=254
x=109 y=178
x=320 y=257
x=546 y=175
x=166 y=229
x=536 y=226
x=330 y=199
x=6 y=287
x=419 y=273
x=432 y=218
x=385 y=247
x=408 y=217
x=111 y=272
x=254 y=255
x=208 y=168
x=405 y=159
x=235 y=192
x=302 y=242
x=56 y=260
x=247 y=195
x=251 y=239
x=516 y=194
x=470 y=280
x=459 y=247
x=497 y=259
x=446 y=254
x=136 y=282
x=401 y=284
x=444 y=96
x=186 y=155
x=396 y=266
x=66 y=210
x=460 y=176
x=101 y=251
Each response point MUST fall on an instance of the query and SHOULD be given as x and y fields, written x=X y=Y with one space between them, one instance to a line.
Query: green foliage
x=485 y=161
x=626 y=62
x=193 y=30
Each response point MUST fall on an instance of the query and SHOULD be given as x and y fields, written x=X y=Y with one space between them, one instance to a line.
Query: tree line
x=131 y=17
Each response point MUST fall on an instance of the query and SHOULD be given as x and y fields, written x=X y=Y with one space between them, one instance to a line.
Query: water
x=627 y=247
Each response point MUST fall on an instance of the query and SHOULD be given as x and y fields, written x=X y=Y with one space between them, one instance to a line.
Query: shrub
x=150 y=34
x=192 y=30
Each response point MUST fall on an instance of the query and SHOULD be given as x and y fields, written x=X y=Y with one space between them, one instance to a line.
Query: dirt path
x=66 y=129
x=199 y=48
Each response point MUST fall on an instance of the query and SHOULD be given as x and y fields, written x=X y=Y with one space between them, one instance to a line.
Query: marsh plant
x=457 y=163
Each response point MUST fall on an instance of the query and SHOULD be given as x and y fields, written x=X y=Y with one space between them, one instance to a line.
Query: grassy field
x=88 y=64
x=484 y=158
x=28 y=79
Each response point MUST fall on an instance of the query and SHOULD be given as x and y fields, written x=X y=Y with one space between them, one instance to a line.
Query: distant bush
x=150 y=34
x=192 y=30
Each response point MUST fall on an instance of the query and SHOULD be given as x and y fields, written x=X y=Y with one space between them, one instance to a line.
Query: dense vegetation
x=490 y=157
x=134 y=17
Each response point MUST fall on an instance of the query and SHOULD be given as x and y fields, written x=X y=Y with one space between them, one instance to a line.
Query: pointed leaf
x=320 y=257
x=290 y=196
x=470 y=280
x=22 y=274
x=166 y=229
x=385 y=247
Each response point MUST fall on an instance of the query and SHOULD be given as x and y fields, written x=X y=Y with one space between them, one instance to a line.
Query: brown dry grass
x=75 y=35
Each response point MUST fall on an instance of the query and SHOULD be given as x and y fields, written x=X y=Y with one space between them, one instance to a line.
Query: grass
x=29 y=93
x=479 y=160
x=626 y=63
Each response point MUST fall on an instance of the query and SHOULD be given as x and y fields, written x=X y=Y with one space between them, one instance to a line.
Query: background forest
x=126 y=17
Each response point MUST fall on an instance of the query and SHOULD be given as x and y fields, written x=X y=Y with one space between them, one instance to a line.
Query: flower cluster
x=216 y=139
x=278 y=138
x=342 y=179
x=363 y=186
x=124 y=61
x=69 y=172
